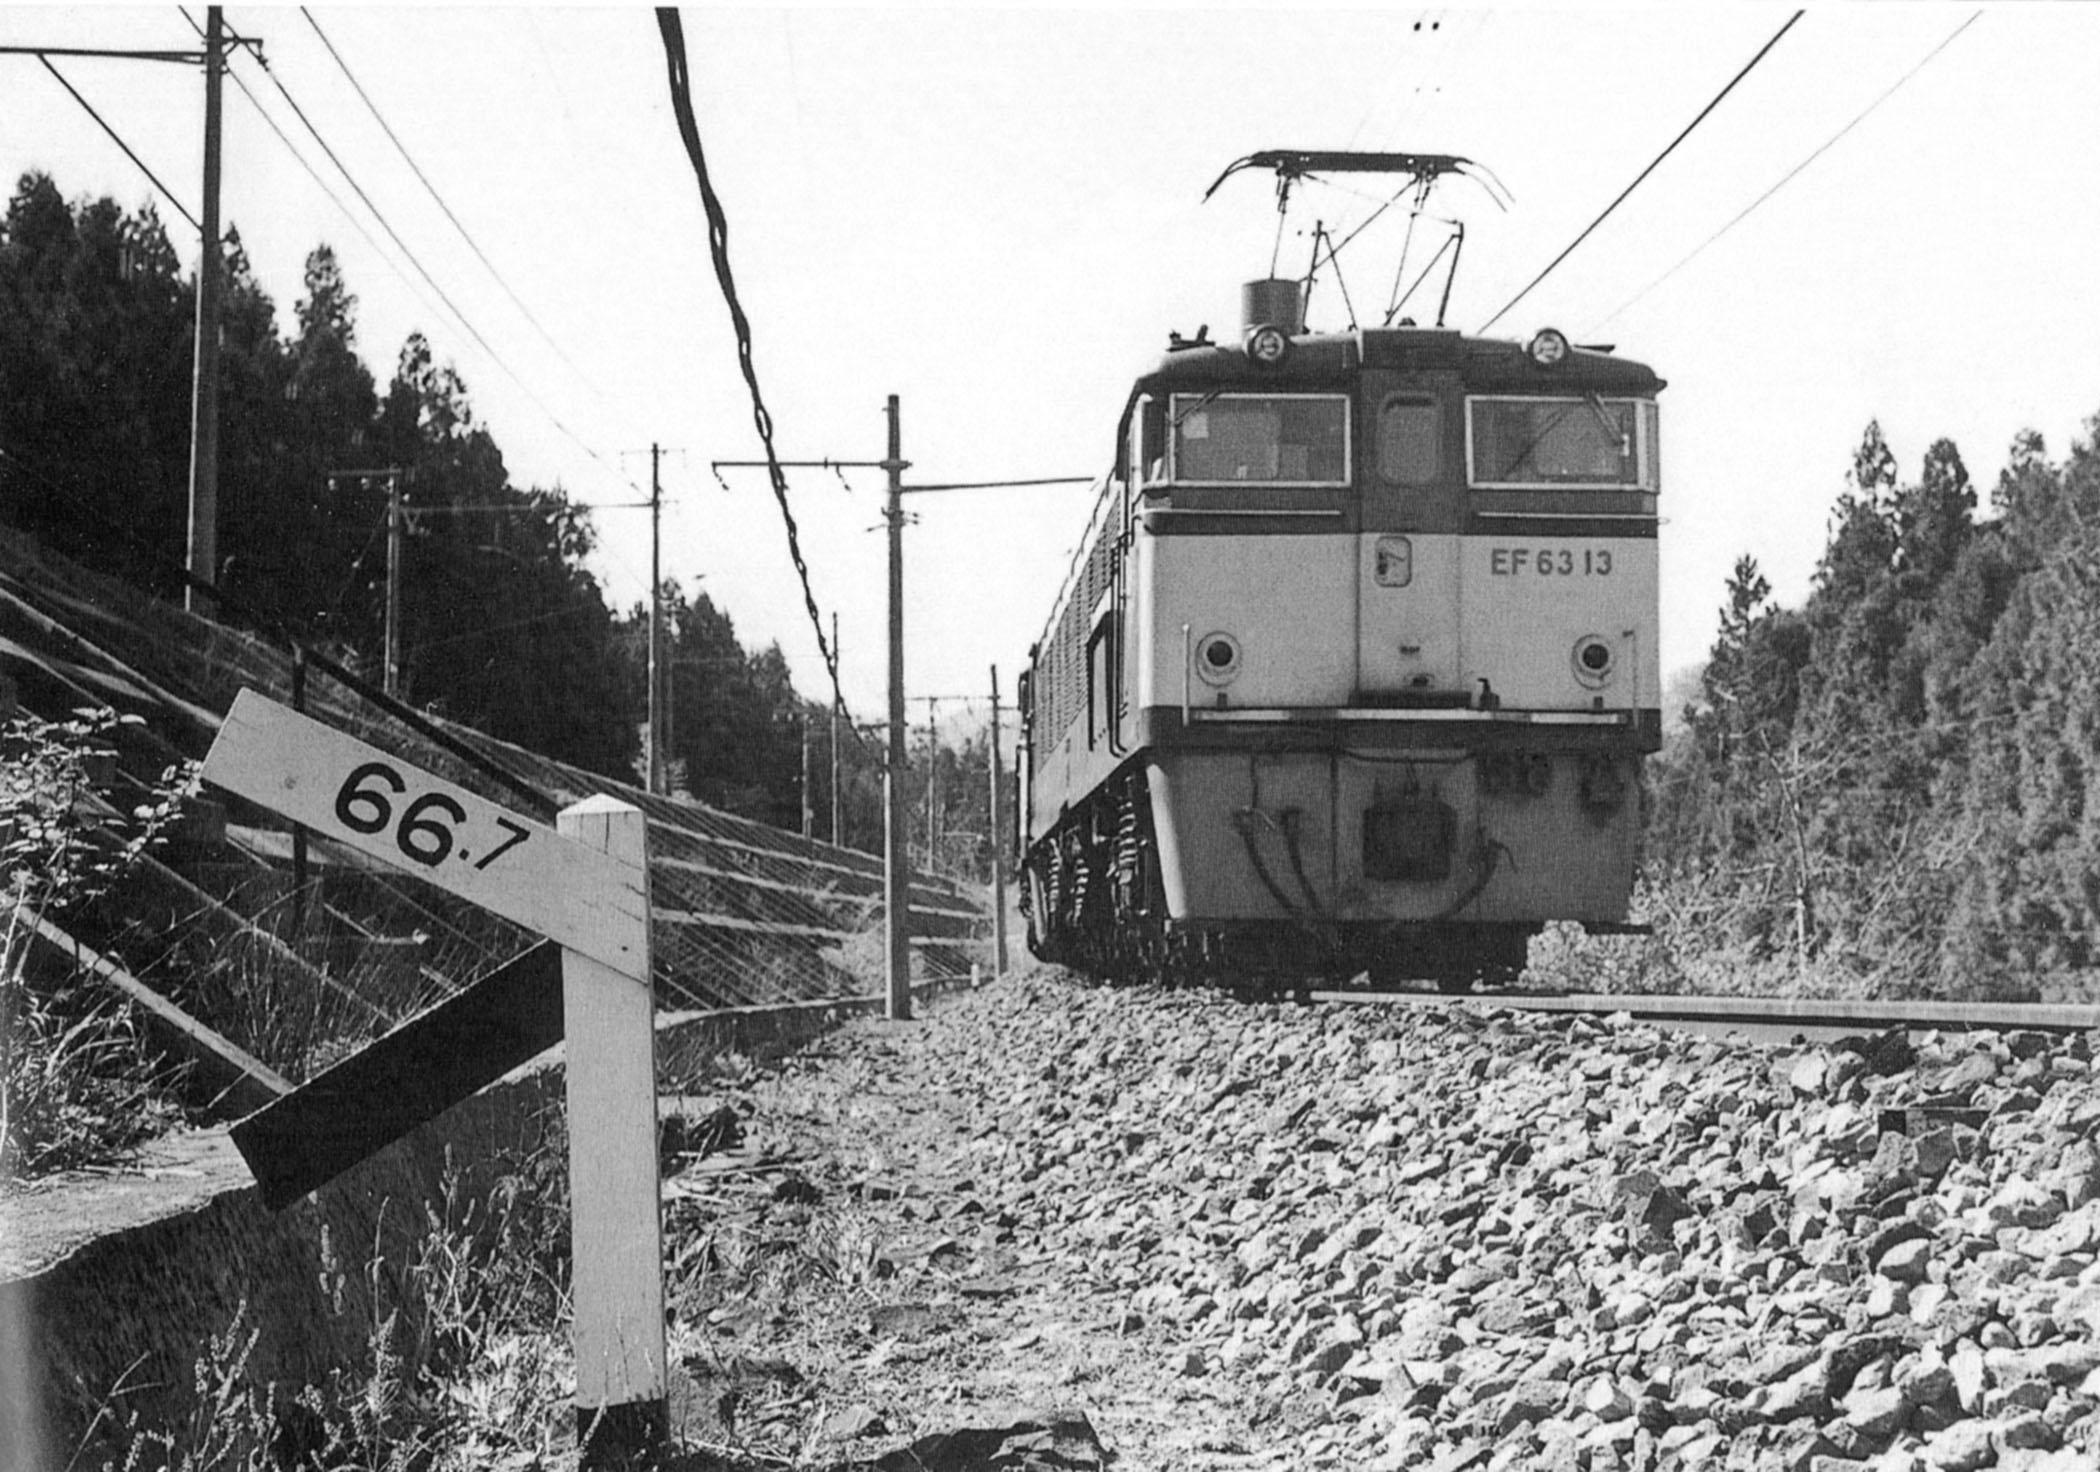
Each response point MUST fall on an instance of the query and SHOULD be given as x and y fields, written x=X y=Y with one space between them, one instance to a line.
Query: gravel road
x=1218 y=1235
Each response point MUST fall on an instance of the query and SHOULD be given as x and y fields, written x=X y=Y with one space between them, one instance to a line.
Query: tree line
x=503 y=627
x=1895 y=788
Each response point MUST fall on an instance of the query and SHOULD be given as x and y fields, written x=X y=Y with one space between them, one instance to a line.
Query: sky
x=996 y=214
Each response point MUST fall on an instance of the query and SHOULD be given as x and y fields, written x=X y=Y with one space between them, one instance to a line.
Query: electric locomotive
x=1358 y=665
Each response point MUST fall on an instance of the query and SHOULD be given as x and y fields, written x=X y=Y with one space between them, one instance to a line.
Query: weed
x=77 y=1084
x=465 y=1366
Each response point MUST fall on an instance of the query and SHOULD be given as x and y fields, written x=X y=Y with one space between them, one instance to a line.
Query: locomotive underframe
x=1437 y=868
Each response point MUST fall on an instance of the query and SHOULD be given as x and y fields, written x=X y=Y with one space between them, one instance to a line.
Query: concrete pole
x=656 y=623
x=933 y=789
x=809 y=805
x=837 y=836
x=998 y=846
x=896 y=869
x=204 y=382
x=392 y=673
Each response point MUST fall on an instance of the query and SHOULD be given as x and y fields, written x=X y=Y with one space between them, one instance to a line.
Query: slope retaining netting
x=297 y=974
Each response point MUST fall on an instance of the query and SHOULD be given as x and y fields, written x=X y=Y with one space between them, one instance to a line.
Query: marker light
x=1218 y=658
x=1593 y=659
x=1268 y=346
x=1549 y=349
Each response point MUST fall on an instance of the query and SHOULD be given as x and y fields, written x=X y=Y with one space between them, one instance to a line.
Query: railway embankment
x=1052 y=1226
x=1238 y=1236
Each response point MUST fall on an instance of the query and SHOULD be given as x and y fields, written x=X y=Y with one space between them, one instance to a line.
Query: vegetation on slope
x=1891 y=789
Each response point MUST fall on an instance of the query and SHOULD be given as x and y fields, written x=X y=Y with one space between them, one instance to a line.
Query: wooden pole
x=616 y=1234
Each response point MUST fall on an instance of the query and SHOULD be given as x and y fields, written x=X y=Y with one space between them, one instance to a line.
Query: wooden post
x=616 y=1236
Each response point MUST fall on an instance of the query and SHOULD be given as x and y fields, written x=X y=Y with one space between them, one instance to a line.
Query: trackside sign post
x=585 y=886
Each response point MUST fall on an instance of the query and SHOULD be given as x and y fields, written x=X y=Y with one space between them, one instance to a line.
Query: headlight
x=1268 y=346
x=1218 y=658
x=1593 y=659
x=1549 y=349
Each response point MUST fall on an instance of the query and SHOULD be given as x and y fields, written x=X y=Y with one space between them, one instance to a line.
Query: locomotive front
x=1360 y=665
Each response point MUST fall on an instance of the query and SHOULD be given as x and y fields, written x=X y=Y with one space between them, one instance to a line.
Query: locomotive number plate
x=1550 y=562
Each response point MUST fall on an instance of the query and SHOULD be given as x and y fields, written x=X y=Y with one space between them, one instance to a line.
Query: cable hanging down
x=718 y=245
x=1748 y=67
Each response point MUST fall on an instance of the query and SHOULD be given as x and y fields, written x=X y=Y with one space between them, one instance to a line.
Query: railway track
x=1768 y=1017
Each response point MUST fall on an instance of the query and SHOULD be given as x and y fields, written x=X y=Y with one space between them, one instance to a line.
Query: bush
x=77 y=1084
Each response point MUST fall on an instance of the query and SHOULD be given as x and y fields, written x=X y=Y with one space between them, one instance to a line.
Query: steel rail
x=1816 y=1012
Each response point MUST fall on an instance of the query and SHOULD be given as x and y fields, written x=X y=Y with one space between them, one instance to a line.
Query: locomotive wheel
x=1036 y=910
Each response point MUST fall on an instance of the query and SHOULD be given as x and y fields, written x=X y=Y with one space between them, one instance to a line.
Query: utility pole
x=392 y=673
x=933 y=787
x=396 y=518
x=656 y=622
x=203 y=542
x=836 y=808
x=997 y=845
x=204 y=384
x=895 y=867
x=809 y=806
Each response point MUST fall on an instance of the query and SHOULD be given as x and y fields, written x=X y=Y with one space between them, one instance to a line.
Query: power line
x=1797 y=168
x=324 y=186
x=424 y=179
x=461 y=317
x=718 y=246
x=1695 y=122
x=117 y=139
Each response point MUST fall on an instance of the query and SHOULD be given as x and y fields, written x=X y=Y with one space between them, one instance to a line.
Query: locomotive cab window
x=1147 y=458
x=1410 y=435
x=1580 y=443
x=1259 y=439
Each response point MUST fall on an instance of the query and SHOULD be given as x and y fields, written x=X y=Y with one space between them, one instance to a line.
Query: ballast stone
x=1455 y=1223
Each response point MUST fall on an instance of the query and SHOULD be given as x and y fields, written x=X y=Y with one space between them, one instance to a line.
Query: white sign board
x=357 y=795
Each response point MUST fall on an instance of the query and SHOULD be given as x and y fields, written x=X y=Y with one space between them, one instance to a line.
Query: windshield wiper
x=1184 y=414
x=1616 y=430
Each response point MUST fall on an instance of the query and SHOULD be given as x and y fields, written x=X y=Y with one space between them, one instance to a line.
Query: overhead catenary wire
x=461 y=317
x=424 y=180
x=1790 y=174
x=323 y=185
x=673 y=33
x=118 y=139
x=1749 y=66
